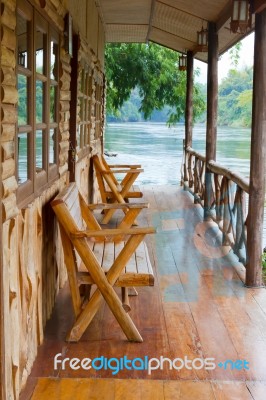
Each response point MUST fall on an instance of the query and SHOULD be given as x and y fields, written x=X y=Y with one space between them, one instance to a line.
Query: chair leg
x=132 y=291
x=125 y=299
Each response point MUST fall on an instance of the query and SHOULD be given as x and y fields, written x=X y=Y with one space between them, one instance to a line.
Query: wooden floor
x=199 y=308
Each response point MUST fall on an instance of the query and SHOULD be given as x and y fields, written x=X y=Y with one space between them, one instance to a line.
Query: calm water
x=159 y=149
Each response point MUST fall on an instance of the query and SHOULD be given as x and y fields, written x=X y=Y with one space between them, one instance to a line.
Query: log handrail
x=195 y=153
x=218 y=169
x=228 y=197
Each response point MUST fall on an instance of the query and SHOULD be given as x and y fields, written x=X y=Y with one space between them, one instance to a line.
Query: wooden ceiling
x=171 y=23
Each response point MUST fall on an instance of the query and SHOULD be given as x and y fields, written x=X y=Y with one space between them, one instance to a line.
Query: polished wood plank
x=69 y=389
x=151 y=390
x=231 y=391
x=127 y=389
x=132 y=389
x=257 y=390
x=188 y=390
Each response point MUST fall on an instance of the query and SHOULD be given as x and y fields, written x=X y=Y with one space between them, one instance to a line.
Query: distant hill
x=234 y=106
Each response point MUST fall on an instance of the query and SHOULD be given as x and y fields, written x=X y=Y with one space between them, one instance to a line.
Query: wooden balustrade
x=228 y=198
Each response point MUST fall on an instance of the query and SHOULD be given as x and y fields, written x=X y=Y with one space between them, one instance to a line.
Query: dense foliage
x=235 y=98
x=152 y=69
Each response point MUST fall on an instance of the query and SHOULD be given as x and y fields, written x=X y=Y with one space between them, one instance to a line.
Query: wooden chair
x=111 y=191
x=85 y=246
x=126 y=169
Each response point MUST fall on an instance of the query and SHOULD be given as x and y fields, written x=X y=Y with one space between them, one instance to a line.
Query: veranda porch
x=199 y=308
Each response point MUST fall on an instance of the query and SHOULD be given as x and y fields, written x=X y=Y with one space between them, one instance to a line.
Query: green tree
x=235 y=54
x=235 y=98
x=152 y=69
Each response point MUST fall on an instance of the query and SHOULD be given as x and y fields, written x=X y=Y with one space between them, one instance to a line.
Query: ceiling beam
x=176 y=36
x=150 y=20
x=182 y=11
x=224 y=16
x=258 y=6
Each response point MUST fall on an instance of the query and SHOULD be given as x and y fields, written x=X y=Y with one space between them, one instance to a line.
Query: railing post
x=258 y=157
x=212 y=103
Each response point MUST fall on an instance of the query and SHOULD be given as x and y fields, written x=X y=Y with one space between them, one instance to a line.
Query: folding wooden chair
x=126 y=169
x=111 y=191
x=79 y=240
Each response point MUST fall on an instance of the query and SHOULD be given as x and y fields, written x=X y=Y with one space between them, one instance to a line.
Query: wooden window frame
x=98 y=108
x=38 y=182
x=85 y=109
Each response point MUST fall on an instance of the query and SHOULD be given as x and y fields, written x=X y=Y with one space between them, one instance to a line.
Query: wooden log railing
x=228 y=198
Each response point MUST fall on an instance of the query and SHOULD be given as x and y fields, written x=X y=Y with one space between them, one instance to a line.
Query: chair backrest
x=105 y=176
x=107 y=167
x=71 y=199
x=69 y=215
x=99 y=169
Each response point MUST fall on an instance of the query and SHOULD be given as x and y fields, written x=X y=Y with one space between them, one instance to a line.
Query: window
x=38 y=95
x=84 y=118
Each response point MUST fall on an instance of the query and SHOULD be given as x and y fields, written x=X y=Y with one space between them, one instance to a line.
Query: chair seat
x=138 y=271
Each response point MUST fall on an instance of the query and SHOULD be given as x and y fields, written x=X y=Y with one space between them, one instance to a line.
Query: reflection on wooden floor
x=120 y=389
x=199 y=308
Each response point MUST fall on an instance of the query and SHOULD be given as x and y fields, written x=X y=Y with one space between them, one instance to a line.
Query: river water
x=159 y=150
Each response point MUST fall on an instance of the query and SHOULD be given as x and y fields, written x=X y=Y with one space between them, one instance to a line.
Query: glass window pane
x=40 y=40
x=22 y=37
x=52 y=103
x=22 y=166
x=22 y=100
x=39 y=140
x=86 y=83
x=78 y=136
x=39 y=101
x=82 y=81
x=81 y=108
x=52 y=148
x=54 y=61
x=81 y=135
x=86 y=110
x=87 y=134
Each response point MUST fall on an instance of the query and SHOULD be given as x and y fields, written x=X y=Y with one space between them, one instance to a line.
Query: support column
x=212 y=103
x=189 y=100
x=188 y=112
x=258 y=157
x=2 y=358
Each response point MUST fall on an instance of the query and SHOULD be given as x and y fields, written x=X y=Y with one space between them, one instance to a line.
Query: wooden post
x=258 y=157
x=2 y=369
x=188 y=114
x=189 y=100
x=73 y=108
x=212 y=103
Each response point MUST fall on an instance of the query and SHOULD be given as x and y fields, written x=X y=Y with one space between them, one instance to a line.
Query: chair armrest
x=114 y=206
x=113 y=232
x=125 y=171
x=124 y=166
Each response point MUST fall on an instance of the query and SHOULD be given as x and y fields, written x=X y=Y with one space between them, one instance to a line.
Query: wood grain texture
x=132 y=389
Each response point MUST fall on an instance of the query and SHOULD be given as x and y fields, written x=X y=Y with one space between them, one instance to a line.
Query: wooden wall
x=87 y=22
x=84 y=168
x=33 y=266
